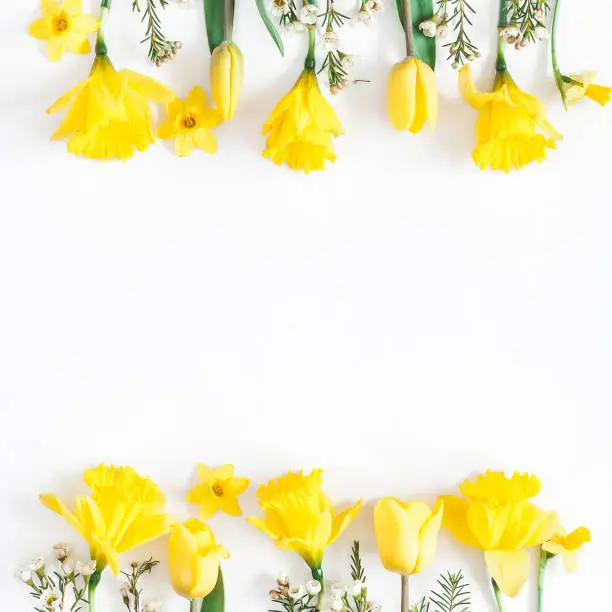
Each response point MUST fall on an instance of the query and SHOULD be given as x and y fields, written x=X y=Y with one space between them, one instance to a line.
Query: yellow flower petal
x=599 y=94
x=223 y=472
x=341 y=521
x=196 y=98
x=509 y=569
x=152 y=90
x=55 y=48
x=205 y=140
x=570 y=561
x=49 y=8
x=455 y=520
x=72 y=7
x=402 y=94
x=205 y=474
x=166 y=131
x=84 y=24
x=428 y=539
x=41 y=29
x=77 y=43
x=184 y=144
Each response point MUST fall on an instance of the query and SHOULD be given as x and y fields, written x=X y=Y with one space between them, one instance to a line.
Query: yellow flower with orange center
x=64 y=27
x=190 y=123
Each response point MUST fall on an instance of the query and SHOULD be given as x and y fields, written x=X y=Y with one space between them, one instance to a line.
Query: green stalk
x=309 y=64
x=317 y=572
x=105 y=7
x=408 y=31
x=498 y=595
x=553 y=53
x=502 y=22
x=544 y=557
x=405 y=601
x=92 y=585
x=195 y=605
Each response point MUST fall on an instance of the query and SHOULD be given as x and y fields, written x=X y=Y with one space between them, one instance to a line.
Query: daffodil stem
x=92 y=585
x=408 y=31
x=498 y=595
x=405 y=601
x=502 y=22
x=317 y=574
x=544 y=556
x=553 y=51
x=310 y=57
x=105 y=7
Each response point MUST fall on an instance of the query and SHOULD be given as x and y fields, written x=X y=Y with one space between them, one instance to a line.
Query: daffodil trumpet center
x=60 y=23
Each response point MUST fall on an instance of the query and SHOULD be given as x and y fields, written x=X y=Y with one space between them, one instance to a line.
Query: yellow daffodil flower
x=110 y=114
x=302 y=126
x=194 y=559
x=412 y=96
x=218 y=490
x=512 y=129
x=579 y=86
x=407 y=534
x=64 y=27
x=299 y=516
x=498 y=518
x=567 y=545
x=123 y=511
x=226 y=78
x=190 y=123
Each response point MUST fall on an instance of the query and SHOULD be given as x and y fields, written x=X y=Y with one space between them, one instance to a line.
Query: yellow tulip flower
x=302 y=126
x=299 y=516
x=412 y=96
x=64 y=27
x=498 y=518
x=109 y=115
x=226 y=78
x=190 y=124
x=194 y=559
x=579 y=86
x=407 y=534
x=123 y=511
x=507 y=128
x=567 y=545
x=218 y=490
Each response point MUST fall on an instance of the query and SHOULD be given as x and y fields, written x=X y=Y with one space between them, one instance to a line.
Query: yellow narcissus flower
x=498 y=518
x=226 y=78
x=412 y=96
x=302 y=126
x=512 y=129
x=407 y=534
x=579 y=86
x=109 y=115
x=567 y=545
x=194 y=559
x=218 y=490
x=64 y=27
x=123 y=511
x=190 y=123
x=299 y=516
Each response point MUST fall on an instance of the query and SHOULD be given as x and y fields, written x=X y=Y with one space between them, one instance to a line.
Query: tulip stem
x=408 y=31
x=405 y=605
x=94 y=581
x=195 y=605
x=544 y=557
x=498 y=595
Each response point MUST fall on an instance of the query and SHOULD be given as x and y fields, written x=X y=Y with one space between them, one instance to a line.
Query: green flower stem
x=105 y=7
x=502 y=22
x=195 y=605
x=317 y=574
x=553 y=52
x=408 y=31
x=544 y=557
x=405 y=602
x=310 y=62
x=498 y=595
x=92 y=585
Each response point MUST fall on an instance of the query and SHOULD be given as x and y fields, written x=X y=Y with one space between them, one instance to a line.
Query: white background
x=401 y=320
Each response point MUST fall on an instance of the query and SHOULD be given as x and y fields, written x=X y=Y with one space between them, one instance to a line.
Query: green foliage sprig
x=132 y=591
x=458 y=13
x=453 y=595
x=160 y=48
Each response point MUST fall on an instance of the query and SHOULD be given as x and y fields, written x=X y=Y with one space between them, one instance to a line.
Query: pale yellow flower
x=218 y=490
x=567 y=545
x=190 y=124
x=64 y=27
x=579 y=86
x=226 y=78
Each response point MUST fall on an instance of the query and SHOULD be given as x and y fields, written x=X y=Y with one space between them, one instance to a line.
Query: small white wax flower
x=296 y=592
x=337 y=605
x=68 y=566
x=283 y=579
x=541 y=33
x=364 y=17
x=152 y=606
x=61 y=551
x=85 y=569
x=24 y=574
x=539 y=14
x=348 y=62
x=375 y=6
x=442 y=32
x=280 y=8
x=50 y=598
x=37 y=564
x=298 y=26
x=510 y=33
x=428 y=28
x=309 y=14
x=357 y=588
x=330 y=41
x=313 y=587
x=338 y=590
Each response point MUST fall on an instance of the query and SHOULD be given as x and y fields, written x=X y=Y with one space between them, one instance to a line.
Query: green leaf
x=215 y=601
x=219 y=15
x=263 y=13
x=425 y=47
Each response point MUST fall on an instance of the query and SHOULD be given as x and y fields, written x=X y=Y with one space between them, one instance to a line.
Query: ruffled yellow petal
x=509 y=569
x=599 y=94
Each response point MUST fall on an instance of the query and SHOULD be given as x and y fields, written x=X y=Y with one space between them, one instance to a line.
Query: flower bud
x=61 y=551
x=541 y=33
x=313 y=587
x=226 y=78
x=428 y=28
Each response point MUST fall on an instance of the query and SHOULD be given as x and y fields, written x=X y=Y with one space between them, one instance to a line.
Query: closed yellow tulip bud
x=407 y=534
x=194 y=559
x=226 y=77
x=413 y=96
